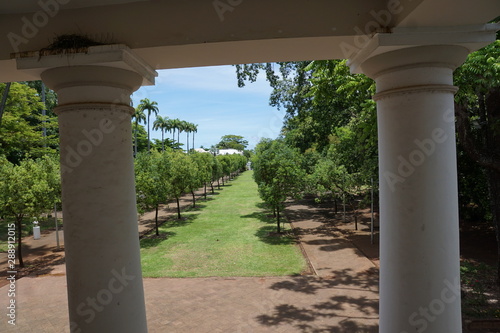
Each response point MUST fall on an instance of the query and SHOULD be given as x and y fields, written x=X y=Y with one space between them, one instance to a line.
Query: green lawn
x=227 y=235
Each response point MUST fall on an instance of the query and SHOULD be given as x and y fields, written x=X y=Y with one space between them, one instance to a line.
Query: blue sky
x=210 y=97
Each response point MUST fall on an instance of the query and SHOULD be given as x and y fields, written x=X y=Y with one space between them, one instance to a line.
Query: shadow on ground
x=351 y=311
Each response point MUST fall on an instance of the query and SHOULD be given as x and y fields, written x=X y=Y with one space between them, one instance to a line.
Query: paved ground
x=342 y=297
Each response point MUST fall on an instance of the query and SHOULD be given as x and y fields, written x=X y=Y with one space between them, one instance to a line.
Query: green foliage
x=28 y=190
x=152 y=181
x=150 y=107
x=205 y=164
x=182 y=173
x=152 y=171
x=328 y=111
x=232 y=141
x=217 y=171
x=478 y=74
x=21 y=127
x=278 y=173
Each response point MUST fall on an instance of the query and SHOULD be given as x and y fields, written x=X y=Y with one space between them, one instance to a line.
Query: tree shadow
x=268 y=235
x=261 y=216
x=354 y=312
x=197 y=208
x=170 y=222
x=154 y=240
x=262 y=205
x=347 y=278
x=329 y=245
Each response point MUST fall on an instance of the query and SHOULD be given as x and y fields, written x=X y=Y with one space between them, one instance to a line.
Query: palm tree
x=138 y=117
x=162 y=124
x=187 y=128
x=171 y=127
x=194 y=129
x=151 y=107
x=180 y=128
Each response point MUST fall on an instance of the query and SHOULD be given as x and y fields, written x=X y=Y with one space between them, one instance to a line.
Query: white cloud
x=215 y=78
x=210 y=97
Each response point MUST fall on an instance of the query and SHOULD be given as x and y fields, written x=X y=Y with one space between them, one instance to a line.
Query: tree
x=21 y=132
x=28 y=190
x=232 y=141
x=217 y=172
x=329 y=111
x=180 y=128
x=183 y=171
x=204 y=162
x=194 y=129
x=3 y=100
x=138 y=117
x=150 y=107
x=161 y=124
x=152 y=173
x=477 y=110
x=225 y=165
x=186 y=126
x=278 y=174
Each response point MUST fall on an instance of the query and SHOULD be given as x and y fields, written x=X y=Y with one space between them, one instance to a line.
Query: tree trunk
x=218 y=184
x=178 y=209
x=4 y=99
x=19 y=225
x=162 y=141
x=278 y=219
x=156 y=221
x=194 y=199
x=494 y=187
x=135 y=136
x=187 y=142
x=205 y=193
x=149 y=146
x=193 y=139
x=212 y=185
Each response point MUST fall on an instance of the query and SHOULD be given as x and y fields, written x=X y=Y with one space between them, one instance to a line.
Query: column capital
x=92 y=84
x=115 y=56
x=445 y=46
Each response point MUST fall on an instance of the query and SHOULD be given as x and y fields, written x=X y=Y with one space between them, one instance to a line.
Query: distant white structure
x=201 y=150
x=229 y=151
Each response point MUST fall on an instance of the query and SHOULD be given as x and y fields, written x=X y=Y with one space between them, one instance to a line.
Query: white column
x=419 y=236
x=105 y=289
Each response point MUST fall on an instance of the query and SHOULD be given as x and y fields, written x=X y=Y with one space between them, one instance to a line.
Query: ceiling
x=172 y=33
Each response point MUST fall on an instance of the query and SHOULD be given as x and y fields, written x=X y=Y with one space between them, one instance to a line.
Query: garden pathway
x=341 y=297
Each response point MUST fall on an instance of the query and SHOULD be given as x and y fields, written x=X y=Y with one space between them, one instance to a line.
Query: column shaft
x=105 y=290
x=419 y=236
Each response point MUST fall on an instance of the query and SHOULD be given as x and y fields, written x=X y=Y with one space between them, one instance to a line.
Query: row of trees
x=283 y=172
x=331 y=119
x=143 y=113
x=164 y=176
